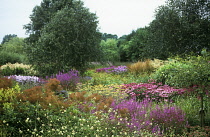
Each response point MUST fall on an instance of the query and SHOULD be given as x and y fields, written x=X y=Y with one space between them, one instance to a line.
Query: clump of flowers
x=68 y=80
x=168 y=117
x=113 y=69
x=17 y=69
x=145 y=116
x=113 y=90
x=26 y=79
x=153 y=91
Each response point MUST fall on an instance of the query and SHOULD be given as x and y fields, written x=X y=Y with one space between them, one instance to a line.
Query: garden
x=153 y=98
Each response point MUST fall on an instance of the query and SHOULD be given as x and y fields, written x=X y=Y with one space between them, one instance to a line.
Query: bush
x=17 y=69
x=166 y=73
x=7 y=95
x=5 y=83
x=6 y=57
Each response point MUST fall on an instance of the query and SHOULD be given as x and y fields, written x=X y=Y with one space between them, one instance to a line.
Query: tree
x=110 y=50
x=135 y=46
x=69 y=40
x=8 y=37
x=138 y=45
x=14 y=45
x=165 y=33
x=42 y=15
x=106 y=36
x=180 y=27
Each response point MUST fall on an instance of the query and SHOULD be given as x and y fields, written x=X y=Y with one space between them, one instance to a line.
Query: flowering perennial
x=113 y=69
x=153 y=91
x=142 y=115
x=70 y=78
x=25 y=79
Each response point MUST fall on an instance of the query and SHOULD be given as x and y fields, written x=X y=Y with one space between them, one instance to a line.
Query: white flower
x=20 y=131
x=27 y=120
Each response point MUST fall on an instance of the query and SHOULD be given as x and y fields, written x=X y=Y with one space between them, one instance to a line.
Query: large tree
x=67 y=39
x=110 y=50
x=181 y=26
x=8 y=37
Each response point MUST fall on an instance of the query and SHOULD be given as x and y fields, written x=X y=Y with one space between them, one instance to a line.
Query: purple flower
x=67 y=80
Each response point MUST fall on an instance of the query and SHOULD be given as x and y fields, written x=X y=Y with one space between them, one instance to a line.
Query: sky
x=118 y=17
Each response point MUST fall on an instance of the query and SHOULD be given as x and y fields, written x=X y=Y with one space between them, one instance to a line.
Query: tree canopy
x=180 y=27
x=67 y=39
x=8 y=37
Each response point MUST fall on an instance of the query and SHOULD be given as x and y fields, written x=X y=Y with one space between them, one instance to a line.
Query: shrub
x=7 y=96
x=5 y=83
x=166 y=73
x=17 y=69
x=6 y=57
x=47 y=99
x=53 y=85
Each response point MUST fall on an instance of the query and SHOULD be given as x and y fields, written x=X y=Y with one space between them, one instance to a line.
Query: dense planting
x=109 y=101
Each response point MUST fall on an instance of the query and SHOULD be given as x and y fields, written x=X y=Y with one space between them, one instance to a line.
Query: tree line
x=64 y=34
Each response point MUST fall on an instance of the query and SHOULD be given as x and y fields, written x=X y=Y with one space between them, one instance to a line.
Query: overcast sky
x=118 y=17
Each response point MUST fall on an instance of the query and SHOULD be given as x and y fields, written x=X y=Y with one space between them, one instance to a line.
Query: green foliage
x=185 y=72
x=6 y=57
x=61 y=48
x=7 y=97
x=7 y=38
x=110 y=50
x=166 y=73
x=17 y=69
x=135 y=46
x=14 y=45
x=180 y=27
x=106 y=36
x=138 y=45
x=190 y=105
